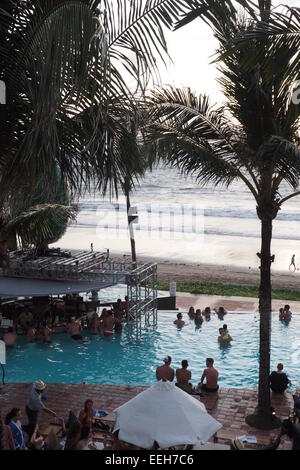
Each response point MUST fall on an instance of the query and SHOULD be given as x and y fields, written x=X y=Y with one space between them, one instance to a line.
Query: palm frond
x=44 y=223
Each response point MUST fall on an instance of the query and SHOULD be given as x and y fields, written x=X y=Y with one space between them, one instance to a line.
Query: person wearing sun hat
x=35 y=405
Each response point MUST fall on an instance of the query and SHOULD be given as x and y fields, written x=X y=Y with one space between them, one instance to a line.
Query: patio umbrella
x=166 y=415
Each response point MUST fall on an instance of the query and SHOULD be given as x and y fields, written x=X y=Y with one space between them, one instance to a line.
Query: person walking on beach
x=292 y=266
x=35 y=405
x=165 y=372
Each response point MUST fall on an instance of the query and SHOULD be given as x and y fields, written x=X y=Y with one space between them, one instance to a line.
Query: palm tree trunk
x=265 y=308
x=130 y=227
x=263 y=417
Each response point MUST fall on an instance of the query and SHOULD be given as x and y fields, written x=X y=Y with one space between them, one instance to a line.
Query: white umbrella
x=164 y=414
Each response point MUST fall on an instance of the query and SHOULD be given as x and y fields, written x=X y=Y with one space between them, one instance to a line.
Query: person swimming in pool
x=74 y=328
x=198 y=317
x=179 y=322
x=109 y=323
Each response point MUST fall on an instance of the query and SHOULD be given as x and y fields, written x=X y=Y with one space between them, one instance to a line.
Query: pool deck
x=230 y=408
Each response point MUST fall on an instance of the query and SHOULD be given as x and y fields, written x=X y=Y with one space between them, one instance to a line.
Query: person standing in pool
x=211 y=375
x=74 y=328
x=207 y=313
x=179 y=322
x=287 y=314
x=108 y=324
x=198 y=317
x=191 y=313
x=94 y=325
x=165 y=372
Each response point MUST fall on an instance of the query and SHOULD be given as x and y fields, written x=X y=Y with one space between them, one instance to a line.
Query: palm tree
x=252 y=138
x=60 y=59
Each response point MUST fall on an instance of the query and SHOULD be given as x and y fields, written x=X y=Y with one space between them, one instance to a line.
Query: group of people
x=285 y=313
x=107 y=323
x=208 y=382
x=197 y=316
x=76 y=434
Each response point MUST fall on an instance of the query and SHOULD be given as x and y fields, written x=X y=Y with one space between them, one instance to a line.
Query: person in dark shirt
x=279 y=380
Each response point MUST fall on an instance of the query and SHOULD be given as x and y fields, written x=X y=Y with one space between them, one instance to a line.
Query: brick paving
x=230 y=406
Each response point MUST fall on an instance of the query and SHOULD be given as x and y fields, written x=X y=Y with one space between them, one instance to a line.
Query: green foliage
x=235 y=290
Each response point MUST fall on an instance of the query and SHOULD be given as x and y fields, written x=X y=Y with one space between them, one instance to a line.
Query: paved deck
x=230 y=408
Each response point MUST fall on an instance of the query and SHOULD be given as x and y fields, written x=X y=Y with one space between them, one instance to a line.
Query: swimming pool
x=116 y=360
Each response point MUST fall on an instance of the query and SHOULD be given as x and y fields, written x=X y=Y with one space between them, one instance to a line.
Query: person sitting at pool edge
x=179 y=322
x=165 y=372
x=279 y=380
x=183 y=376
x=211 y=375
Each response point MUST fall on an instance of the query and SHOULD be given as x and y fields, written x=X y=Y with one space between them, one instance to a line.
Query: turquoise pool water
x=117 y=360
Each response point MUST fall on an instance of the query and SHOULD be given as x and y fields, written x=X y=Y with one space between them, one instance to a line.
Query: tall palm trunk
x=130 y=225
x=263 y=418
x=265 y=308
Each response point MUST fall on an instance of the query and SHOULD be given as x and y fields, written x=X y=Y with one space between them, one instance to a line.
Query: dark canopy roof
x=19 y=287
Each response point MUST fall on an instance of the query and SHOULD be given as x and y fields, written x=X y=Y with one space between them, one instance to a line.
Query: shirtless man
x=179 y=322
x=287 y=314
x=74 y=329
x=109 y=323
x=183 y=377
x=94 y=325
x=165 y=372
x=31 y=331
x=211 y=375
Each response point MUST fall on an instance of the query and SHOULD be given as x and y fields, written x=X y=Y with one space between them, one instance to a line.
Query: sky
x=192 y=49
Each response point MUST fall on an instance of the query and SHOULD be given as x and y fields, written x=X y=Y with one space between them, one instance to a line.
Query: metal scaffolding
x=100 y=270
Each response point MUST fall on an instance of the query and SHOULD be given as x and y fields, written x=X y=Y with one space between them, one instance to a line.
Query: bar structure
x=99 y=271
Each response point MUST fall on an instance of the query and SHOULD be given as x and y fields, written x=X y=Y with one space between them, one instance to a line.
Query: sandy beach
x=180 y=271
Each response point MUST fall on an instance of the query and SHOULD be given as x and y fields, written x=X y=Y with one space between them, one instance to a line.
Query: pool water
x=117 y=360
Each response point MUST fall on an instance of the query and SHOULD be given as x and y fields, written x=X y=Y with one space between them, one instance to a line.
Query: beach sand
x=180 y=271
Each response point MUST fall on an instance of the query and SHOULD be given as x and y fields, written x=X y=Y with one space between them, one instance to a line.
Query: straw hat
x=39 y=385
x=237 y=444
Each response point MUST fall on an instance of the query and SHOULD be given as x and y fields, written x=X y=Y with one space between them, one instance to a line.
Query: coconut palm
x=61 y=58
x=252 y=138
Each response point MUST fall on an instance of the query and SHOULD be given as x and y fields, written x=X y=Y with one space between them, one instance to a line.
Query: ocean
x=180 y=220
